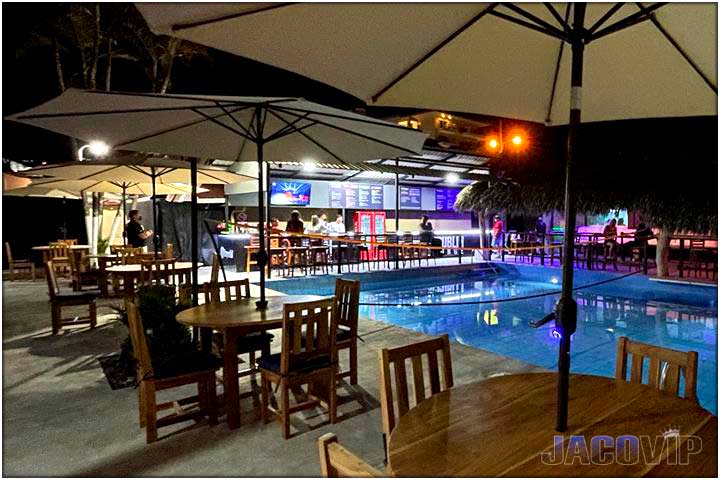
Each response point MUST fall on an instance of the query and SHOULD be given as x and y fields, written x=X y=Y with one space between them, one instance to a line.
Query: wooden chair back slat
x=336 y=461
x=319 y=318
x=396 y=357
x=215 y=270
x=58 y=250
x=664 y=369
x=141 y=350
x=232 y=291
x=53 y=289
x=347 y=297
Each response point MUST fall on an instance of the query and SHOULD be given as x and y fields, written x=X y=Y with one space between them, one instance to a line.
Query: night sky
x=626 y=153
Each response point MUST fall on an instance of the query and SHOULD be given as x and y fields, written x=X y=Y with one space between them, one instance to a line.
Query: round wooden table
x=234 y=319
x=130 y=272
x=505 y=426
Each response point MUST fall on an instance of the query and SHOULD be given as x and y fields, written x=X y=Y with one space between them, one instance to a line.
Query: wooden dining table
x=130 y=273
x=505 y=426
x=234 y=319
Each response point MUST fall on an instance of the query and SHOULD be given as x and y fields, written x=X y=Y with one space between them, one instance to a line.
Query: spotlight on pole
x=97 y=149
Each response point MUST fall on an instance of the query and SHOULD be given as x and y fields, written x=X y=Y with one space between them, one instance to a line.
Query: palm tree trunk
x=108 y=68
x=92 y=79
x=172 y=51
x=58 y=65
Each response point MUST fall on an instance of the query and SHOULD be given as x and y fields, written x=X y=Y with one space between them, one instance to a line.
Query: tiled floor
x=60 y=417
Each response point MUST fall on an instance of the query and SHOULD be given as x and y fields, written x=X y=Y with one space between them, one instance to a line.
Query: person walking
x=497 y=234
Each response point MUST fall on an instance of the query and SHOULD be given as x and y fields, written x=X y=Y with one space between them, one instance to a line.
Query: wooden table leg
x=230 y=378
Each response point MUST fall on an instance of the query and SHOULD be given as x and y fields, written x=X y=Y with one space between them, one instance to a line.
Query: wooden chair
x=59 y=253
x=336 y=461
x=68 y=241
x=397 y=357
x=347 y=299
x=82 y=275
x=66 y=299
x=313 y=361
x=234 y=291
x=664 y=369
x=200 y=371
x=157 y=272
x=17 y=265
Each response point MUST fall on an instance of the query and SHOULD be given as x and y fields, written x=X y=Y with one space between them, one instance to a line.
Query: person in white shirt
x=338 y=226
x=316 y=226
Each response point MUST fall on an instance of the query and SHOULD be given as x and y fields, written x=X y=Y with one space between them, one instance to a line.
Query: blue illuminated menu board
x=445 y=198
x=411 y=198
x=356 y=195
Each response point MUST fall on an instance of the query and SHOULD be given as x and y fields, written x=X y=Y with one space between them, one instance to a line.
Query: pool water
x=676 y=316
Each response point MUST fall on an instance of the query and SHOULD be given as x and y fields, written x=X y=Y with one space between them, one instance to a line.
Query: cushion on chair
x=253 y=341
x=83 y=295
x=184 y=362
x=298 y=364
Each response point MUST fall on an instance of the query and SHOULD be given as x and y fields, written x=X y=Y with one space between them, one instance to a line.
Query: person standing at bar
x=338 y=226
x=135 y=233
x=497 y=233
x=295 y=225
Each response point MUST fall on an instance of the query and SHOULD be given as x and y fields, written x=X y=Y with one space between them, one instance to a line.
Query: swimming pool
x=676 y=316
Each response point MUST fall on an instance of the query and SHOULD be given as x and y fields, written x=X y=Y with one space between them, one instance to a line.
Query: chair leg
x=264 y=394
x=141 y=403
x=93 y=314
x=211 y=395
x=151 y=433
x=333 y=395
x=353 y=363
x=55 y=318
x=285 y=408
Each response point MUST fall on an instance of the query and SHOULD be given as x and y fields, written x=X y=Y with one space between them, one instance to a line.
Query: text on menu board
x=356 y=195
x=445 y=198
x=411 y=198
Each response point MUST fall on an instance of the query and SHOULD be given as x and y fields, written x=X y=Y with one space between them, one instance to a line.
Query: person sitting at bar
x=316 y=226
x=323 y=221
x=338 y=226
x=610 y=237
x=642 y=235
x=426 y=230
x=135 y=233
x=295 y=225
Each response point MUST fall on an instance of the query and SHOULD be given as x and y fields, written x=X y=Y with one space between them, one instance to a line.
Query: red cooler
x=370 y=223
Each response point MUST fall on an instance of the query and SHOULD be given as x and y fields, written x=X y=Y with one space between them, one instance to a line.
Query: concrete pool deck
x=60 y=417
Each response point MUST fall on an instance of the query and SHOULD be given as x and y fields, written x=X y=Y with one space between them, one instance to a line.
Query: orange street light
x=517 y=140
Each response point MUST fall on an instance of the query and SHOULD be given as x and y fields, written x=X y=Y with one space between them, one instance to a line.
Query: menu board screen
x=445 y=198
x=356 y=195
x=411 y=198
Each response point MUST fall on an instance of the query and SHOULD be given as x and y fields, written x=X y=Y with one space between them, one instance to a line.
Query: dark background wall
x=31 y=221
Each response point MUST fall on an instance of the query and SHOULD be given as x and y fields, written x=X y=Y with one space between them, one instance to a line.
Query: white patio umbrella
x=42 y=191
x=504 y=59
x=127 y=176
x=230 y=128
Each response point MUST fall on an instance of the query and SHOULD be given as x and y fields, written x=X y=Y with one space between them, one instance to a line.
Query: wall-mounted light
x=452 y=177
x=97 y=148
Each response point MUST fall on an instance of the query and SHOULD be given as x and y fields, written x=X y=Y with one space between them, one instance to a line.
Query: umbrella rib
x=209 y=99
x=537 y=20
x=526 y=24
x=230 y=114
x=215 y=121
x=358 y=119
x=434 y=50
x=677 y=46
x=558 y=18
x=357 y=134
x=109 y=112
x=200 y=23
x=626 y=22
x=318 y=144
x=548 y=118
x=611 y=11
x=290 y=128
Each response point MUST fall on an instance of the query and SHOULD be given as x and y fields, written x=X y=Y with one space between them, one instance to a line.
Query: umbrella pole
x=268 y=191
x=194 y=228
x=154 y=204
x=566 y=321
x=124 y=210
x=64 y=227
x=262 y=254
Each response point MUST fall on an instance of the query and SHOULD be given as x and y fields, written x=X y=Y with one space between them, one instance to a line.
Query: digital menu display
x=356 y=195
x=290 y=193
x=445 y=198
x=411 y=198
